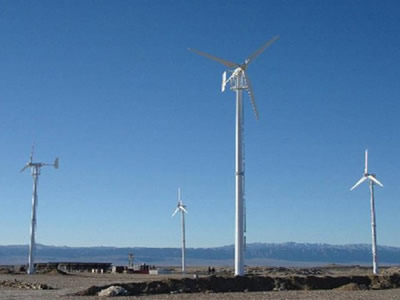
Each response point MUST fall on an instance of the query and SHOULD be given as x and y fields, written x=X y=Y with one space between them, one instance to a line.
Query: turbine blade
x=184 y=209
x=227 y=63
x=251 y=95
x=375 y=180
x=31 y=157
x=261 y=50
x=366 y=162
x=359 y=182
x=176 y=210
x=56 y=163
x=24 y=168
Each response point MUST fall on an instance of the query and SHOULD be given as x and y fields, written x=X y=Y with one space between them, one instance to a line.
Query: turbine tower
x=371 y=181
x=35 y=169
x=239 y=81
x=182 y=208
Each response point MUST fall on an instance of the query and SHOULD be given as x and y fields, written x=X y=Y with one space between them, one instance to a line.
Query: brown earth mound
x=219 y=284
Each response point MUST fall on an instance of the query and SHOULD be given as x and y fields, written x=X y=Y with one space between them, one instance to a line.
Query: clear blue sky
x=110 y=88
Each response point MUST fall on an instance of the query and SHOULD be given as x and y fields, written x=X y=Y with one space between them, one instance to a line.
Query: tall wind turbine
x=35 y=169
x=372 y=181
x=239 y=81
x=182 y=208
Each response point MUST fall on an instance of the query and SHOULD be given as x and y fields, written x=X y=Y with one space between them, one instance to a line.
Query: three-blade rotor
x=180 y=207
x=366 y=175
x=239 y=70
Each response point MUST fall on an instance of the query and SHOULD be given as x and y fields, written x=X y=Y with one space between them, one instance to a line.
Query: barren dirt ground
x=66 y=284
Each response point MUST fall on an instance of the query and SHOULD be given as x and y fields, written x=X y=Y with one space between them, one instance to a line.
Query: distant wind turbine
x=239 y=81
x=372 y=181
x=182 y=208
x=35 y=168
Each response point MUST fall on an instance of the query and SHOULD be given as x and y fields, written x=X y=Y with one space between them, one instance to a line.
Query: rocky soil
x=263 y=283
x=220 y=284
x=24 y=285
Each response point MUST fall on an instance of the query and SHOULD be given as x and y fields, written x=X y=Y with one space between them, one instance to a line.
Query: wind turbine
x=372 y=181
x=239 y=81
x=182 y=208
x=35 y=169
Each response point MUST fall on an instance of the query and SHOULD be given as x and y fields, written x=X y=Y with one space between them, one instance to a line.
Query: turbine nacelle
x=235 y=74
x=180 y=207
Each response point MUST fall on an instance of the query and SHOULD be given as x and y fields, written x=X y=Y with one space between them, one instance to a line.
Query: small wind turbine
x=372 y=181
x=182 y=208
x=35 y=168
x=239 y=81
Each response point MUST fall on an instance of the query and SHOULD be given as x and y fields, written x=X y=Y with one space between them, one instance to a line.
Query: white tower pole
x=35 y=169
x=32 y=245
x=373 y=228
x=240 y=81
x=371 y=182
x=183 y=243
x=183 y=231
x=239 y=174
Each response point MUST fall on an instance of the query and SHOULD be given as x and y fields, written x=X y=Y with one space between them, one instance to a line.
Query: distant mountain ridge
x=282 y=254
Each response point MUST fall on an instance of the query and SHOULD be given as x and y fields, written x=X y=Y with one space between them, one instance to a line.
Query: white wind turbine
x=182 y=208
x=239 y=81
x=35 y=169
x=372 y=181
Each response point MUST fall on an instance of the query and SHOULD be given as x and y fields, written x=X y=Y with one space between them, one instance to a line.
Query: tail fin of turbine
x=223 y=82
x=56 y=163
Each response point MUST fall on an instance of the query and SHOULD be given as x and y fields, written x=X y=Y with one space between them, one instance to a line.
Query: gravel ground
x=67 y=284
x=286 y=295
